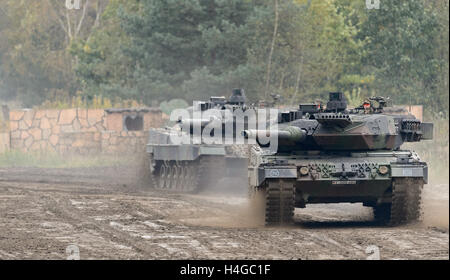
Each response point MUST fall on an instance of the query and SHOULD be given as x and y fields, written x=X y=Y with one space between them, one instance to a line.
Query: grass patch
x=55 y=160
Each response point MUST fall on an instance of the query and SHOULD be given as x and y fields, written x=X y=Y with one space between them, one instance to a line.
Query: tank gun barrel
x=290 y=134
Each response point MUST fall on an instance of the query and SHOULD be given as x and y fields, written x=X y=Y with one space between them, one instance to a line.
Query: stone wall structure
x=4 y=142
x=83 y=131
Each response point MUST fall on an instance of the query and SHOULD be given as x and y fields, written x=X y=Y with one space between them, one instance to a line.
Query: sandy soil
x=108 y=216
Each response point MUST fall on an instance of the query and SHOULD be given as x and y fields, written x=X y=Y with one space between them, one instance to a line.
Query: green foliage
x=35 y=62
x=354 y=97
x=401 y=51
x=90 y=102
x=155 y=50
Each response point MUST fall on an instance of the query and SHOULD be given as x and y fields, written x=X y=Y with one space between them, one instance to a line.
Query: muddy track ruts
x=110 y=216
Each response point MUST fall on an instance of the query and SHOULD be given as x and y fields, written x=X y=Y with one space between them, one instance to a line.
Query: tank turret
x=335 y=128
x=335 y=154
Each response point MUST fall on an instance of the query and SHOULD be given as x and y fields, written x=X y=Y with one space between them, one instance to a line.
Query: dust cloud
x=435 y=200
x=435 y=196
x=234 y=208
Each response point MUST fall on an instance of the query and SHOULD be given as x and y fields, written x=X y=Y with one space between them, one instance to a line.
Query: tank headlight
x=304 y=171
x=383 y=170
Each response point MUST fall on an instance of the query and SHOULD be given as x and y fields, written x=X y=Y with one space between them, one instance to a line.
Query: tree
x=401 y=50
x=36 y=64
x=156 y=50
x=164 y=44
x=441 y=100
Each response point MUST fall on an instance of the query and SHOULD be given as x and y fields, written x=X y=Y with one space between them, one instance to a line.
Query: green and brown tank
x=333 y=155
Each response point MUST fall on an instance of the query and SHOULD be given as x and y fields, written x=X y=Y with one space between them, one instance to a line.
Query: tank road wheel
x=170 y=176
x=181 y=176
x=173 y=176
x=279 y=202
x=189 y=177
x=184 y=176
x=406 y=203
x=163 y=176
x=178 y=171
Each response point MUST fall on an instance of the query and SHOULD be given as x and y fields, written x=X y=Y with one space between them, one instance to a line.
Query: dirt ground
x=106 y=215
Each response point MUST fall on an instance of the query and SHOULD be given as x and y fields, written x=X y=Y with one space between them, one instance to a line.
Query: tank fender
x=413 y=171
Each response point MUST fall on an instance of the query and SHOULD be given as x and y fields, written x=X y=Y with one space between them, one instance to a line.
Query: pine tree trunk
x=272 y=47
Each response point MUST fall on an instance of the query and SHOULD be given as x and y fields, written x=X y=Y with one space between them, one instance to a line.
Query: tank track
x=174 y=176
x=279 y=203
x=183 y=176
x=151 y=168
x=406 y=203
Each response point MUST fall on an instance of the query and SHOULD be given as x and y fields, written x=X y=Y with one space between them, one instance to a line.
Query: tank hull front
x=332 y=178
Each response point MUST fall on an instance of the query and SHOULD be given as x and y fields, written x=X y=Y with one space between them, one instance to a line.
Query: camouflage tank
x=192 y=167
x=338 y=155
